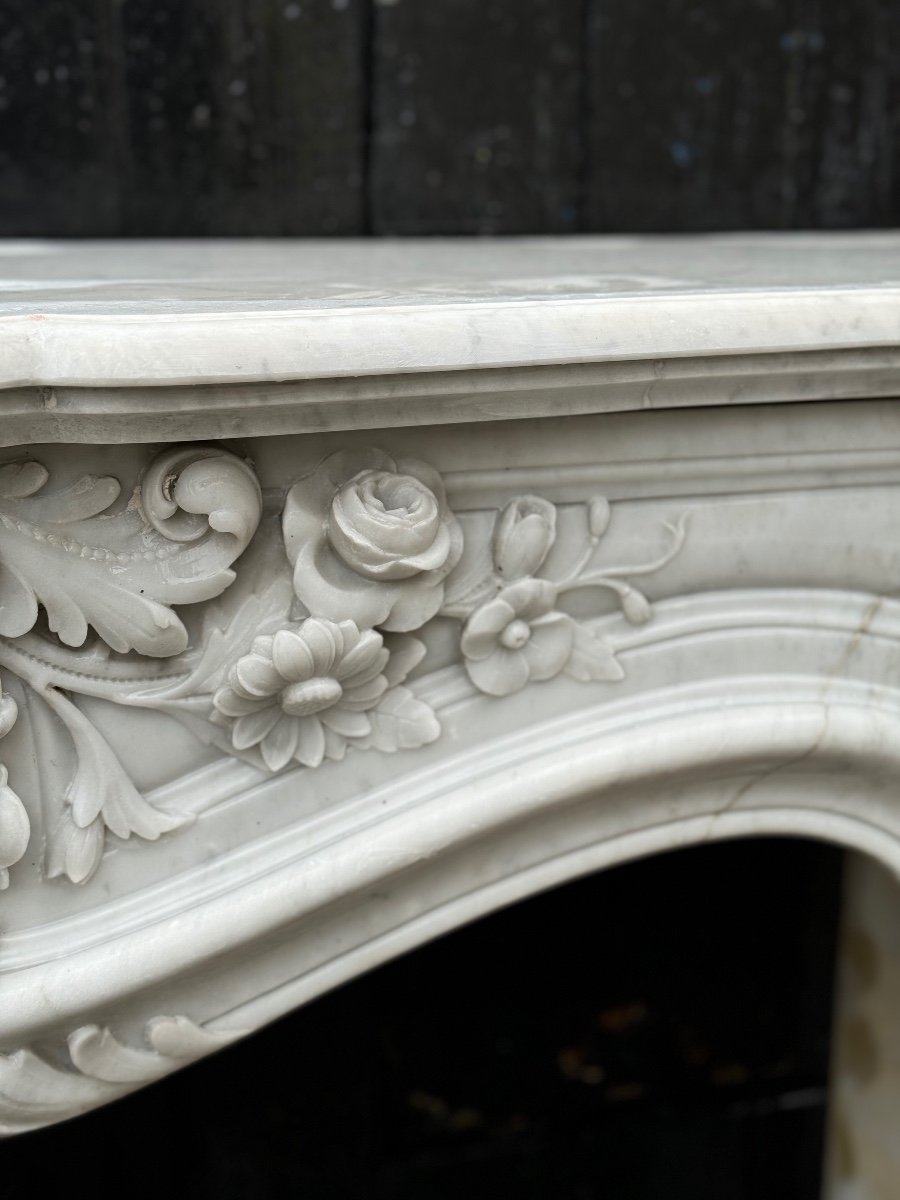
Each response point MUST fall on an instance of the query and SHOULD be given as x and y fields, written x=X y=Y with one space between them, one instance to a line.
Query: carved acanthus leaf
x=120 y=571
x=402 y=722
x=593 y=658
x=99 y=796
x=35 y=1092
x=258 y=602
x=171 y=1041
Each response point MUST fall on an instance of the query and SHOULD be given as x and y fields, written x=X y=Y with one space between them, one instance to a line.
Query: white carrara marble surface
x=106 y=313
x=350 y=591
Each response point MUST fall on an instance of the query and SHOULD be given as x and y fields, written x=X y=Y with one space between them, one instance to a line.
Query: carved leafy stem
x=81 y=803
x=514 y=630
x=100 y=796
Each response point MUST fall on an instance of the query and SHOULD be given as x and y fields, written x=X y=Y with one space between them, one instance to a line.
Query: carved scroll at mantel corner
x=97 y=1067
x=300 y=653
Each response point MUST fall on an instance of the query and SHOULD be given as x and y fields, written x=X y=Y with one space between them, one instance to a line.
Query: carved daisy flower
x=516 y=637
x=302 y=692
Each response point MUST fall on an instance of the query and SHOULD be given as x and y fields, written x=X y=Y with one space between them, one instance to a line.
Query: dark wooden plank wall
x=743 y=114
x=478 y=116
x=183 y=117
x=335 y=117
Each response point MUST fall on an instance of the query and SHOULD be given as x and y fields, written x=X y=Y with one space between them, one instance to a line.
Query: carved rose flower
x=516 y=637
x=371 y=539
x=302 y=692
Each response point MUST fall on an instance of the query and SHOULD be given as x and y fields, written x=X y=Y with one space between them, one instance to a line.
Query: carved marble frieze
x=303 y=648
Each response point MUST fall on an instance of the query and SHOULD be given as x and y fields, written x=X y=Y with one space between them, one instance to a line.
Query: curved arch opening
x=659 y=1028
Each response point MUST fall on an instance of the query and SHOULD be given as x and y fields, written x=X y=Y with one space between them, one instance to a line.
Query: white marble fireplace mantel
x=351 y=590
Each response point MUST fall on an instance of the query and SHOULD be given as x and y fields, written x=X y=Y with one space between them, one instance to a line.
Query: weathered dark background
x=660 y=1031
x=268 y=117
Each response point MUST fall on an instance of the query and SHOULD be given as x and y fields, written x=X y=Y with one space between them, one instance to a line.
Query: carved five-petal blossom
x=516 y=637
x=303 y=691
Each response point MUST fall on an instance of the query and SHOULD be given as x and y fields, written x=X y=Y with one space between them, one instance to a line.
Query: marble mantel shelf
x=277 y=337
x=350 y=590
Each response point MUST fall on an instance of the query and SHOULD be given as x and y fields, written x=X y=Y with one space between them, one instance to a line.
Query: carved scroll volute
x=206 y=503
x=192 y=489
